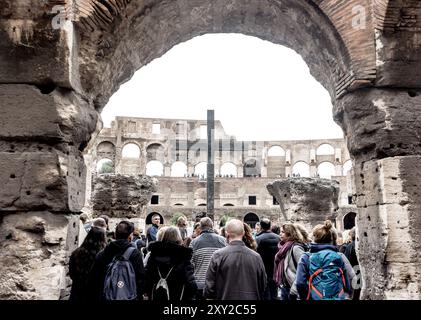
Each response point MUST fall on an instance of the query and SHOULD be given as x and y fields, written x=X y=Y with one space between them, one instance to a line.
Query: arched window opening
x=148 y=219
x=349 y=220
x=154 y=168
x=155 y=151
x=325 y=149
x=105 y=147
x=326 y=170
x=301 y=169
x=229 y=169
x=276 y=151
x=200 y=169
x=228 y=205
x=131 y=150
x=178 y=169
x=251 y=219
x=105 y=166
x=251 y=168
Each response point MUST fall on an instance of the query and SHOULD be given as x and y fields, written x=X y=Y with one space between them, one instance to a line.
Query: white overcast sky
x=259 y=90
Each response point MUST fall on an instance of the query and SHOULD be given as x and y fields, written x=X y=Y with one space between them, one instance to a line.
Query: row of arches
x=156 y=150
x=179 y=169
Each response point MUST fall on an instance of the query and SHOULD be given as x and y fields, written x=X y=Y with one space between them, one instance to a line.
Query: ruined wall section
x=309 y=201
x=121 y=196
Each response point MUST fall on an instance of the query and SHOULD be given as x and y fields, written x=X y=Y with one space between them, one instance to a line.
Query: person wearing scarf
x=291 y=248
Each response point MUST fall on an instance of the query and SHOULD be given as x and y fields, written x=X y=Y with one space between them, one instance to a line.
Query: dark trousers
x=271 y=291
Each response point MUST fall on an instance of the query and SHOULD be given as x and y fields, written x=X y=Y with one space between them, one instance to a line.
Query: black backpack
x=120 y=279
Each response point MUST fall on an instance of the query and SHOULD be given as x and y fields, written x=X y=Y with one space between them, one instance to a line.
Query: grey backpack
x=120 y=280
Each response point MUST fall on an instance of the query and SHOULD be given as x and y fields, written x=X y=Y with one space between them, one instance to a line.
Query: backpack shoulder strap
x=166 y=275
x=127 y=254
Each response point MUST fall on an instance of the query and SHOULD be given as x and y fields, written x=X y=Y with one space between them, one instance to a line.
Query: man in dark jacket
x=123 y=234
x=153 y=229
x=235 y=272
x=267 y=247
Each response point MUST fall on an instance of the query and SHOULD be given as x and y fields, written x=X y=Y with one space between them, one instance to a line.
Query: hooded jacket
x=163 y=257
x=104 y=258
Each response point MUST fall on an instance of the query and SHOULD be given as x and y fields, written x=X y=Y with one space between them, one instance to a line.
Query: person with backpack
x=291 y=247
x=324 y=273
x=169 y=271
x=118 y=272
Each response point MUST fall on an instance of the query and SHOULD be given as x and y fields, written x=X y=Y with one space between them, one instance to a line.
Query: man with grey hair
x=235 y=272
x=203 y=247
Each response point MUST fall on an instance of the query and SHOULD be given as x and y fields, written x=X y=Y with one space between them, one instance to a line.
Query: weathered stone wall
x=309 y=201
x=121 y=196
x=34 y=251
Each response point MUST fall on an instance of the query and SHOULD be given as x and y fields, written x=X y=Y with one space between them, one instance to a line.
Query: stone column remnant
x=309 y=201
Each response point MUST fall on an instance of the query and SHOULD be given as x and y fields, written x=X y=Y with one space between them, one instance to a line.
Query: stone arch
x=326 y=170
x=325 y=149
x=148 y=219
x=178 y=169
x=349 y=220
x=200 y=169
x=228 y=205
x=301 y=168
x=155 y=151
x=229 y=168
x=105 y=147
x=154 y=168
x=105 y=165
x=346 y=167
x=131 y=150
x=251 y=168
x=166 y=23
x=201 y=205
x=251 y=219
x=179 y=205
x=276 y=151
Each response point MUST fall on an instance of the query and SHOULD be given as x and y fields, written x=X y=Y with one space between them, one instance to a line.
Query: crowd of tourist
x=237 y=262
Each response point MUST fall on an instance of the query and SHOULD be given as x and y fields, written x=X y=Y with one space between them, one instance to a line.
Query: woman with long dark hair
x=82 y=260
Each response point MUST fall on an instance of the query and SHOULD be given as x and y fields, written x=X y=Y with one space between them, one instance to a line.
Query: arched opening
x=251 y=219
x=326 y=170
x=154 y=168
x=228 y=205
x=148 y=219
x=201 y=205
x=349 y=220
x=130 y=150
x=105 y=147
x=347 y=166
x=251 y=168
x=325 y=150
x=229 y=169
x=301 y=169
x=201 y=170
x=105 y=166
x=155 y=151
x=179 y=205
x=178 y=169
x=276 y=151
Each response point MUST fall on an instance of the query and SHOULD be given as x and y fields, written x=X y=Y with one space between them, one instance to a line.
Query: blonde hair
x=303 y=231
x=325 y=233
x=160 y=233
x=172 y=234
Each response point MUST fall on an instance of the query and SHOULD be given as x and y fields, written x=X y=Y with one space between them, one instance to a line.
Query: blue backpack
x=120 y=280
x=327 y=279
